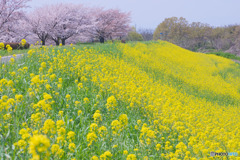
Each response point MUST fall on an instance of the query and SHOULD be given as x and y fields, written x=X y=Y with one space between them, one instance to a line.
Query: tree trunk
x=63 y=42
x=101 y=39
x=43 y=42
x=57 y=42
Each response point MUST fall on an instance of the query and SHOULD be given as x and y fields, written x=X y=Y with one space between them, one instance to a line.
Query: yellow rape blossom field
x=150 y=100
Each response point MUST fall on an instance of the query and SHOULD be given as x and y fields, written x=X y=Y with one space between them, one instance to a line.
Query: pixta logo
x=212 y=154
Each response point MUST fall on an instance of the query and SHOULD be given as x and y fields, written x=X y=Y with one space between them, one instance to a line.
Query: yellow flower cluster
x=38 y=146
x=119 y=101
x=111 y=103
x=1 y=45
x=9 y=48
x=23 y=42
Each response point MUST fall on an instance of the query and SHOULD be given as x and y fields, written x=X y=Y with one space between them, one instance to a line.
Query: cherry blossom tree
x=109 y=24
x=10 y=14
x=59 y=22
x=19 y=31
x=41 y=23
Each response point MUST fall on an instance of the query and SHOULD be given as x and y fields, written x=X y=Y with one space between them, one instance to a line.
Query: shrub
x=134 y=36
x=17 y=45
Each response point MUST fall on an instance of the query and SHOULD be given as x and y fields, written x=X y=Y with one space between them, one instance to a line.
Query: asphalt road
x=6 y=59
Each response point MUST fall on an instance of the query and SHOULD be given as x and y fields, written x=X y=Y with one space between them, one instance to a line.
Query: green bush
x=17 y=45
x=226 y=55
x=134 y=36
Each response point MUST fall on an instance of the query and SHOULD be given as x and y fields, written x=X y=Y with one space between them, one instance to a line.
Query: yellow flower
x=60 y=80
x=111 y=103
x=181 y=146
x=72 y=147
x=60 y=153
x=79 y=112
x=48 y=87
x=71 y=135
x=60 y=123
x=86 y=101
x=4 y=97
x=13 y=73
x=23 y=42
x=35 y=132
x=47 y=96
x=22 y=144
x=123 y=119
x=18 y=98
x=116 y=126
x=7 y=116
x=136 y=127
x=1 y=46
x=102 y=131
x=68 y=97
x=139 y=122
x=145 y=158
x=60 y=140
x=53 y=76
x=149 y=141
x=125 y=152
x=61 y=131
x=91 y=137
x=97 y=116
x=80 y=85
x=106 y=155
x=36 y=79
x=83 y=78
x=76 y=103
x=49 y=126
x=38 y=144
x=43 y=65
x=131 y=157
x=59 y=86
x=9 y=49
x=11 y=59
x=158 y=147
x=60 y=113
x=55 y=148
x=94 y=158
x=11 y=101
x=136 y=149
x=93 y=127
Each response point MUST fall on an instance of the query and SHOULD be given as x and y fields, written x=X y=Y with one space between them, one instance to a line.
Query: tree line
x=198 y=36
x=60 y=23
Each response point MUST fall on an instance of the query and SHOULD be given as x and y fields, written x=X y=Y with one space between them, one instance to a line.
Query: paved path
x=6 y=59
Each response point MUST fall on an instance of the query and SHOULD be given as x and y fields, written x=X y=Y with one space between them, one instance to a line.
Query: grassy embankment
x=150 y=100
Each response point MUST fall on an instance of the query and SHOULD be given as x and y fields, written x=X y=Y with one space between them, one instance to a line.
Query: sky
x=147 y=14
